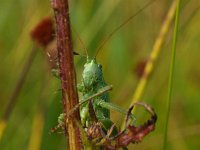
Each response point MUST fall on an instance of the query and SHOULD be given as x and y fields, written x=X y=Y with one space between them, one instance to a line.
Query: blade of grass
x=171 y=73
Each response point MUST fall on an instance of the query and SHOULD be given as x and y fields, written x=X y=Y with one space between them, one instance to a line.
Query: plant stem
x=171 y=74
x=67 y=71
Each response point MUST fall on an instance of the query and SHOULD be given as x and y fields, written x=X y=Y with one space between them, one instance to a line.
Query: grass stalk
x=171 y=73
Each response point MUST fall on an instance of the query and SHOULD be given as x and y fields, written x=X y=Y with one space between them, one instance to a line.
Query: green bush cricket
x=93 y=81
x=94 y=91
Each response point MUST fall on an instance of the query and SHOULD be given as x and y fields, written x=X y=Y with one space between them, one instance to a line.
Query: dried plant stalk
x=67 y=71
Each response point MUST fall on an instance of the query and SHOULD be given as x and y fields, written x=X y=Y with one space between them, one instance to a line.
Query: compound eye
x=100 y=66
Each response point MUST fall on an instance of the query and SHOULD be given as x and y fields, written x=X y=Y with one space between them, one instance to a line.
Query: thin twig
x=67 y=71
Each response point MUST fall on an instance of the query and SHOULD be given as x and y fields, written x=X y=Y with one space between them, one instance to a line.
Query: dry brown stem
x=67 y=71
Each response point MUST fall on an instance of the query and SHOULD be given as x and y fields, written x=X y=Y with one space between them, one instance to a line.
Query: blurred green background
x=93 y=20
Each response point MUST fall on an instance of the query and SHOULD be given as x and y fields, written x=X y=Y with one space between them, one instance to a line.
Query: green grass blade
x=171 y=74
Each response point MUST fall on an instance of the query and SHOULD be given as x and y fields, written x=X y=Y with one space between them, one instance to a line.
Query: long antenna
x=81 y=41
x=121 y=25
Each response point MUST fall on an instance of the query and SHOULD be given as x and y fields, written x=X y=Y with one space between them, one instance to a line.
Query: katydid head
x=92 y=73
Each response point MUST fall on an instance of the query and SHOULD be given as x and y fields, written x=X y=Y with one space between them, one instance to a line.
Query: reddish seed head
x=139 y=69
x=43 y=32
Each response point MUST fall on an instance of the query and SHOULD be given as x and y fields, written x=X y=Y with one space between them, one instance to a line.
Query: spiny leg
x=61 y=117
x=83 y=101
x=102 y=103
x=54 y=129
x=114 y=107
x=61 y=124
